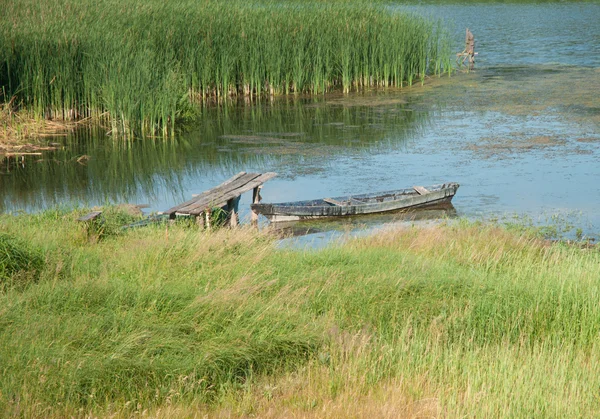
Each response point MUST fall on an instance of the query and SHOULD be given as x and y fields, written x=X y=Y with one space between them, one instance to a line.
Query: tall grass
x=448 y=321
x=17 y=258
x=140 y=64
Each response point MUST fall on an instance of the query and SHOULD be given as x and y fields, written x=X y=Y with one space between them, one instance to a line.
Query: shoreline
x=22 y=132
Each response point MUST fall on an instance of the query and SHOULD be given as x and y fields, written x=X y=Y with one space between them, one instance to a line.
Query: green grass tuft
x=18 y=258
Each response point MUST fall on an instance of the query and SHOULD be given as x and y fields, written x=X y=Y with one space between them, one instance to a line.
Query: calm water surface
x=521 y=134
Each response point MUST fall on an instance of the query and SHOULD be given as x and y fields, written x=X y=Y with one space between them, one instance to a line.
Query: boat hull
x=358 y=204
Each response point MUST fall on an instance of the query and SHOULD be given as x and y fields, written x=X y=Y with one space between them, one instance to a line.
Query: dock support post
x=255 y=200
x=207 y=218
x=233 y=221
x=93 y=223
x=200 y=220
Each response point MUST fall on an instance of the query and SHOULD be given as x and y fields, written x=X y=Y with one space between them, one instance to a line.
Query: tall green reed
x=140 y=64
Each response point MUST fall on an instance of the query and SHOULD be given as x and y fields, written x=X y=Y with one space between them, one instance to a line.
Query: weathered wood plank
x=196 y=197
x=334 y=202
x=421 y=190
x=211 y=194
x=17 y=154
x=91 y=216
x=221 y=195
x=233 y=220
x=256 y=198
x=227 y=182
x=224 y=184
x=402 y=199
x=215 y=194
x=222 y=199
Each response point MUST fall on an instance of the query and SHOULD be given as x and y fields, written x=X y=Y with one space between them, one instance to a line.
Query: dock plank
x=221 y=194
x=222 y=185
x=225 y=184
x=199 y=196
x=222 y=199
x=91 y=216
x=215 y=194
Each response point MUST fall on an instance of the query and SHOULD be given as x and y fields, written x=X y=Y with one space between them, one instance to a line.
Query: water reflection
x=290 y=136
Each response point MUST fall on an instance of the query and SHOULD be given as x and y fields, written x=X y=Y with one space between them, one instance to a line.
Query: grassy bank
x=447 y=321
x=138 y=65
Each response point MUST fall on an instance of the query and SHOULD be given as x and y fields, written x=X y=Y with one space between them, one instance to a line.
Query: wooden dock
x=226 y=195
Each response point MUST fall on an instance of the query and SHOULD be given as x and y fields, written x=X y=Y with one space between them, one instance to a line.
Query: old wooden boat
x=415 y=197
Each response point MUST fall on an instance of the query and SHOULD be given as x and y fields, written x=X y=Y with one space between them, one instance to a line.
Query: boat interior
x=370 y=198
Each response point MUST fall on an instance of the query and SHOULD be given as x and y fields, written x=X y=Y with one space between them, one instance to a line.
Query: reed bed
x=139 y=65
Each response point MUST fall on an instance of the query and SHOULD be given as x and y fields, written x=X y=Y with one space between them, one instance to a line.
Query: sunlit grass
x=465 y=320
x=139 y=65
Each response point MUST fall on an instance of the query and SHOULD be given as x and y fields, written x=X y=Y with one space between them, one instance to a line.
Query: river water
x=520 y=133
